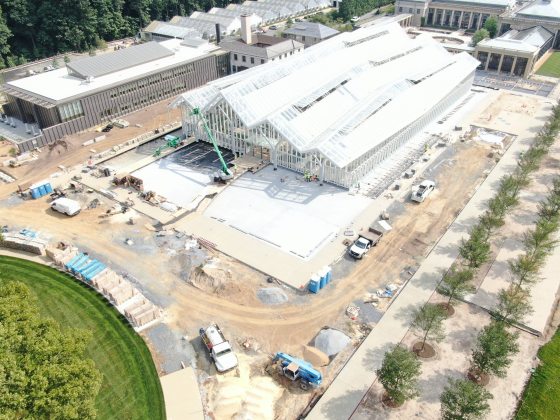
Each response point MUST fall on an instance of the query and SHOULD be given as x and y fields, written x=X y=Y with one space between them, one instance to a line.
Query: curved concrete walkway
x=352 y=383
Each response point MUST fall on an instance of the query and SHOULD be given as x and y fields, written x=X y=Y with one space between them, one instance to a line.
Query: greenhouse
x=337 y=110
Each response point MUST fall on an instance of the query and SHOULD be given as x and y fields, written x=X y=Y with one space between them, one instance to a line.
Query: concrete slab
x=183 y=176
x=282 y=209
x=181 y=394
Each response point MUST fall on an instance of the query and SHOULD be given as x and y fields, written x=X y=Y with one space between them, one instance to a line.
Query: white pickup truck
x=423 y=190
x=219 y=348
x=364 y=243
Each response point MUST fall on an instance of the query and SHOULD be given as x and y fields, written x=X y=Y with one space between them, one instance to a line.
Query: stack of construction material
x=119 y=291
x=61 y=256
x=142 y=312
x=24 y=240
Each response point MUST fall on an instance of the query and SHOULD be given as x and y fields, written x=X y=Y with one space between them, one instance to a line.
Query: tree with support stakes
x=428 y=320
x=399 y=374
x=463 y=400
x=492 y=352
x=456 y=284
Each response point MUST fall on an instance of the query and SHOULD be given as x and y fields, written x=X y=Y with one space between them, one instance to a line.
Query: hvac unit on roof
x=89 y=79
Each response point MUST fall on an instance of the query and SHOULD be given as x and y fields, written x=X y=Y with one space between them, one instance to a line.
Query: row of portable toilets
x=40 y=189
x=320 y=279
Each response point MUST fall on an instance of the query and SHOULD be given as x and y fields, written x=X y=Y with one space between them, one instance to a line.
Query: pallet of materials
x=23 y=242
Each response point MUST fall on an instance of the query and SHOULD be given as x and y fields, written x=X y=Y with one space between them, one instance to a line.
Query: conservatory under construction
x=337 y=110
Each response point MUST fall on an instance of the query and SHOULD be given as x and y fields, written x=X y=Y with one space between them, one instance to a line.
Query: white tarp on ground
x=298 y=217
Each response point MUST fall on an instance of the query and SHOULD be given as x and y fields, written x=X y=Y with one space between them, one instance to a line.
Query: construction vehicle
x=226 y=173
x=171 y=142
x=298 y=370
x=365 y=241
x=218 y=347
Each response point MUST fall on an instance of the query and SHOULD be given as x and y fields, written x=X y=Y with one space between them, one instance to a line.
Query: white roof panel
x=345 y=95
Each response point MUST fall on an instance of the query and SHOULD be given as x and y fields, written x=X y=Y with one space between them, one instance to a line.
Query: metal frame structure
x=337 y=110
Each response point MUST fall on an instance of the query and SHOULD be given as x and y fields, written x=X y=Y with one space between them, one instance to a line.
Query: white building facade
x=338 y=109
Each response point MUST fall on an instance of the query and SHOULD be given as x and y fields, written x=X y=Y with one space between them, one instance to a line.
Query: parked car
x=48 y=68
x=108 y=128
x=423 y=190
x=66 y=206
x=273 y=27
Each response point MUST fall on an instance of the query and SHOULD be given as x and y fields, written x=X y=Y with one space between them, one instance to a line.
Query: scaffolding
x=338 y=110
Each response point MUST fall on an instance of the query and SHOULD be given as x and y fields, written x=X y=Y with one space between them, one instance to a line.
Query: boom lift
x=226 y=173
x=297 y=369
x=171 y=142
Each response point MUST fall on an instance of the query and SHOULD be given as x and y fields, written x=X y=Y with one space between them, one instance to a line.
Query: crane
x=297 y=369
x=226 y=172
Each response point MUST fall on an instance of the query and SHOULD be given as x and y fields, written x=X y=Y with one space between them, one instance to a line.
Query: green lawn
x=551 y=67
x=131 y=387
x=542 y=396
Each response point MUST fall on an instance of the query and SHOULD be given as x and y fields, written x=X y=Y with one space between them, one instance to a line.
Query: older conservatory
x=338 y=109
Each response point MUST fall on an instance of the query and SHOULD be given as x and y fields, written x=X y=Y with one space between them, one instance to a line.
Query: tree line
x=32 y=29
x=496 y=344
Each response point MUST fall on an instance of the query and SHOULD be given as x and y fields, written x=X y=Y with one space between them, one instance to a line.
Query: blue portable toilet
x=48 y=188
x=324 y=273
x=329 y=274
x=313 y=286
x=42 y=190
x=322 y=279
x=35 y=193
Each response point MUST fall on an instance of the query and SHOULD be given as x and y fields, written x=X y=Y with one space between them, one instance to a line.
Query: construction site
x=240 y=206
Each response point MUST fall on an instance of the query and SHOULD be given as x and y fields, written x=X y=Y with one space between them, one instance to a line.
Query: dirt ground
x=159 y=267
x=225 y=290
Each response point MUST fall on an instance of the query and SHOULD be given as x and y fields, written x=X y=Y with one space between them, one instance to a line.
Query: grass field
x=551 y=67
x=542 y=396
x=131 y=387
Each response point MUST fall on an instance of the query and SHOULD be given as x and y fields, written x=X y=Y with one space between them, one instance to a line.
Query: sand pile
x=331 y=341
x=272 y=296
x=245 y=396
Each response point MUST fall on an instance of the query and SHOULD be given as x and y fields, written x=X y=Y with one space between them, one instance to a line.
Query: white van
x=66 y=206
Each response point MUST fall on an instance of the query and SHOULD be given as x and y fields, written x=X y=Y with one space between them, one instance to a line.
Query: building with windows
x=544 y=13
x=309 y=33
x=253 y=49
x=338 y=109
x=463 y=14
x=515 y=52
x=97 y=89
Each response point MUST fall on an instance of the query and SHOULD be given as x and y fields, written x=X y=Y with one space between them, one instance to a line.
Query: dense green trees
x=43 y=372
x=351 y=8
x=31 y=29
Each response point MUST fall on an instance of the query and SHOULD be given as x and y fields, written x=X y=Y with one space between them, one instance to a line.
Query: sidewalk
x=352 y=383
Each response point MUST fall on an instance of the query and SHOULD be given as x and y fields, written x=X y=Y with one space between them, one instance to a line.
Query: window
x=410 y=10
x=303 y=38
x=252 y=60
x=417 y=11
x=70 y=111
x=235 y=56
x=400 y=9
x=234 y=69
x=262 y=61
x=243 y=58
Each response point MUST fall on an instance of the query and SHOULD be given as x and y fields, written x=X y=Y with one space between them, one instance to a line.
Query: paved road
x=352 y=383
